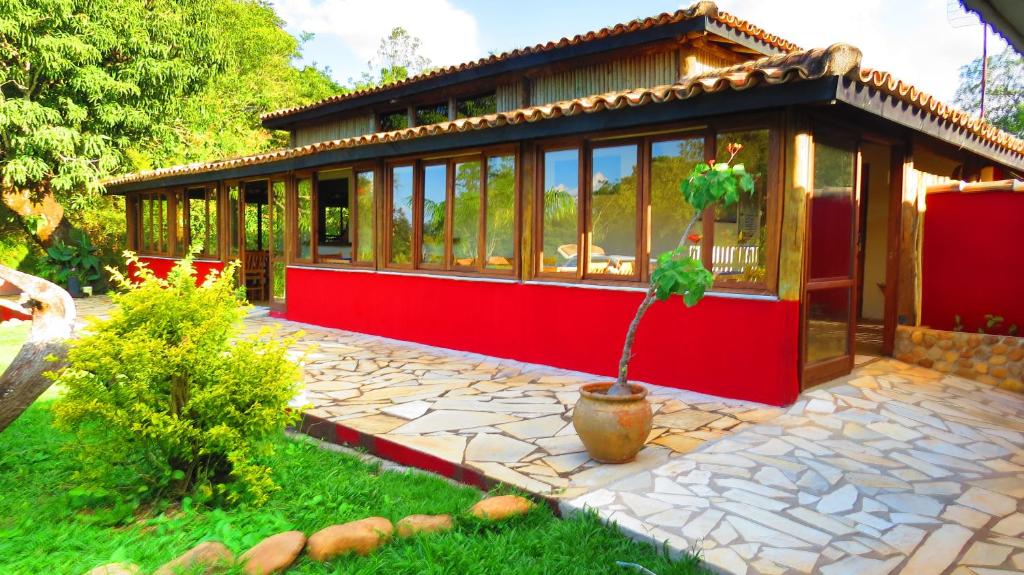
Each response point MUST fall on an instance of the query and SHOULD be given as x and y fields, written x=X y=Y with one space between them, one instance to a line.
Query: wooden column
x=527 y=208
x=796 y=191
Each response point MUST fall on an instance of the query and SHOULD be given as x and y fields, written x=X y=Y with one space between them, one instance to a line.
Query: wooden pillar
x=796 y=191
x=527 y=208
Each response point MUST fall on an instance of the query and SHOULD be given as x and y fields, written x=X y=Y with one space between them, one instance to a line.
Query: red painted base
x=160 y=266
x=737 y=348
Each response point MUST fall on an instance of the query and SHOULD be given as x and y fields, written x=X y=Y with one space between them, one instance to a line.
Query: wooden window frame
x=316 y=260
x=211 y=192
x=587 y=199
x=448 y=267
x=709 y=130
x=163 y=247
x=296 y=254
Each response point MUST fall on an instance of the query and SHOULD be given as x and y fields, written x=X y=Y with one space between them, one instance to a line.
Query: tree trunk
x=53 y=316
x=51 y=224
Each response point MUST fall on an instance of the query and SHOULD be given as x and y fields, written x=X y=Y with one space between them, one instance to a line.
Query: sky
x=924 y=42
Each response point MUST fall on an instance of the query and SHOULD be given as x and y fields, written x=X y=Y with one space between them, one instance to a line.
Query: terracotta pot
x=612 y=428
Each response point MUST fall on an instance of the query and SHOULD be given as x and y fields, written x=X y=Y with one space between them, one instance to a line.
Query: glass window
x=672 y=161
x=741 y=232
x=613 y=211
x=828 y=324
x=560 y=233
x=365 y=211
x=279 y=224
x=304 y=218
x=397 y=120
x=233 y=199
x=256 y=215
x=201 y=212
x=161 y=223
x=431 y=114
x=479 y=105
x=832 y=212
x=333 y=243
x=500 y=224
x=400 y=221
x=466 y=214
x=435 y=208
x=146 y=210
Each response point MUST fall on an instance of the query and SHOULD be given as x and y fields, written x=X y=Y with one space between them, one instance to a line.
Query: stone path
x=508 y=420
x=893 y=469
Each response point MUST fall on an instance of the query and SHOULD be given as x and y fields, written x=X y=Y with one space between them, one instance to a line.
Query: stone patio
x=892 y=469
x=506 y=420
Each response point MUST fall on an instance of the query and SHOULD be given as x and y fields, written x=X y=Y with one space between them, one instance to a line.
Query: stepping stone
x=274 y=554
x=116 y=569
x=207 y=557
x=501 y=507
x=419 y=524
x=360 y=537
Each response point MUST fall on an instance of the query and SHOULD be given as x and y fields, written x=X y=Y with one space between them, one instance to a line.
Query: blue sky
x=921 y=41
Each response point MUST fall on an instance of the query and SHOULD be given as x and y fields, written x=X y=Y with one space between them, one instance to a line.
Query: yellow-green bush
x=166 y=397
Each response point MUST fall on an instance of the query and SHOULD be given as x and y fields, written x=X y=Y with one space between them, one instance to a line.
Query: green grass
x=11 y=337
x=41 y=532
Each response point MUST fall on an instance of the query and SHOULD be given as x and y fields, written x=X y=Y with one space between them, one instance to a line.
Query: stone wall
x=994 y=359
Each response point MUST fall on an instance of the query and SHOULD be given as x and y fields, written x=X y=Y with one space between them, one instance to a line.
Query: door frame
x=824 y=370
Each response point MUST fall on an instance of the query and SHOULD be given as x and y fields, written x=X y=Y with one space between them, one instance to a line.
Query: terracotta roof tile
x=704 y=8
x=836 y=60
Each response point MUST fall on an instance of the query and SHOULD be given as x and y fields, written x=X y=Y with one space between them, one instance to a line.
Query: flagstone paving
x=893 y=469
x=509 y=420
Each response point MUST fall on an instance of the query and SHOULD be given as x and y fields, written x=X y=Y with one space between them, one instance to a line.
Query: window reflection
x=333 y=238
x=832 y=212
x=672 y=161
x=613 y=215
x=401 y=215
x=501 y=212
x=364 y=214
x=304 y=195
x=560 y=205
x=466 y=214
x=435 y=206
x=741 y=232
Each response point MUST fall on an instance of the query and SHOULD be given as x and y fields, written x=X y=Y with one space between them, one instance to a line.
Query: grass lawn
x=11 y=337
x=41 y=531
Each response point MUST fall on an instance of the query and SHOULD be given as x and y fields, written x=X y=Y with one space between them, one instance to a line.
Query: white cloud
x=448 y=34
x=915 y=40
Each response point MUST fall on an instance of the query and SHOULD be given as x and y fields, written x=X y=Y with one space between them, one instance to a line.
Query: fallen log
x=53 y=318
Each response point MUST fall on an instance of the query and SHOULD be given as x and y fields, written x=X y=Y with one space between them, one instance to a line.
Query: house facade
x=515 y=206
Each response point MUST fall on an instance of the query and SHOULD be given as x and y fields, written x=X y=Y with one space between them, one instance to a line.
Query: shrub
x=167 y=398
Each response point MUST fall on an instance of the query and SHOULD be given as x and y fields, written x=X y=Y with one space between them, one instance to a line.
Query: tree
x=1004 y=91
x=81 y=82
x=397 y=58
x=53 y=316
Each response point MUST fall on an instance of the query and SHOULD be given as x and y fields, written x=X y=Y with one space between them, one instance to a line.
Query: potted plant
x=613 y=420
x=74 y=264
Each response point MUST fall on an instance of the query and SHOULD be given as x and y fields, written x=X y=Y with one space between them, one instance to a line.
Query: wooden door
x=829 y=311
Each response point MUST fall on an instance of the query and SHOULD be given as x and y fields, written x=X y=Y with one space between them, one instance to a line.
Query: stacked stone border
x=996 y=360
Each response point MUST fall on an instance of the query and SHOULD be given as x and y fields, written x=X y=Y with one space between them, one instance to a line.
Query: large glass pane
x=832 y=211
x=211 y=223
x=195 y=240
x=613 y=210
x=146 y=211
x=828 y=327
x=500 y=224
x=435 y=209
x=671 y=162
x=334 y=236
x=560 y=228
x=278 y=218
x=741 y=232
x=400 y=228
x=365 y=211
x=233 y=199
x=466 y=214
x=162 y=222
x=304 y=218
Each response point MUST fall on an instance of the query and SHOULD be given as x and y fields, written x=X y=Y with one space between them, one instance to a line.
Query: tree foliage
x=398 y=57
x=82 y=81
x=1004 y=92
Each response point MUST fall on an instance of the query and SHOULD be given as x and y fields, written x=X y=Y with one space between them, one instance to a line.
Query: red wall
x=972 y=259
x=160 y=266
x=737 y=348
x=6 y=314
